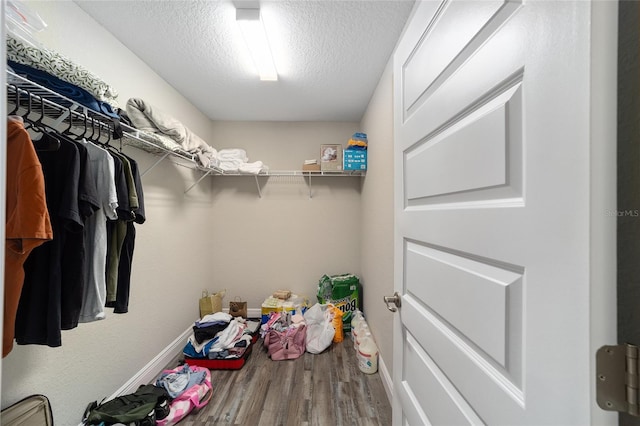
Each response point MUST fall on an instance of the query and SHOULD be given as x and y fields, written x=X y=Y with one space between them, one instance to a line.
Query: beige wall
x=286 y=238
x=220 y=234
x=376 y=241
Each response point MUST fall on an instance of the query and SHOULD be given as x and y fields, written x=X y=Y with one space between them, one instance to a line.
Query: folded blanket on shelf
x=68 y=90
x=230 y=165
x=64 y=68
x=162 y=142
x=252 y=168
x=149 y=119
x=233 y=154
x=236 y=160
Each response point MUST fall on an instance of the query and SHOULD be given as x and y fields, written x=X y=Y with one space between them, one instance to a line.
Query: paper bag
x=237 y=308
x=211 y=303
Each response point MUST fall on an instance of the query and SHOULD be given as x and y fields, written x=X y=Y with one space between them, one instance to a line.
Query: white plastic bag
x=320 y=330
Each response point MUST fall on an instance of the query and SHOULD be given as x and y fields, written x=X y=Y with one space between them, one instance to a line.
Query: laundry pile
x=236 y=160
x=288 y=335
x=220 y=336
x=175 y=393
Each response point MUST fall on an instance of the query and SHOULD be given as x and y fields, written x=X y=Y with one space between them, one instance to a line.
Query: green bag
x=343 y=291
x=138 y=408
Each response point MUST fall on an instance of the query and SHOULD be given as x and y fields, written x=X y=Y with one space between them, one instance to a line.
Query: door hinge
x=617 y=378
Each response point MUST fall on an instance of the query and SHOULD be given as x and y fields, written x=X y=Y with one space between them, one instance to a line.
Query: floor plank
x=313 y=390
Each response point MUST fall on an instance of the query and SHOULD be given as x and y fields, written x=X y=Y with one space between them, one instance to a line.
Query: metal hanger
x=47 y=141
x=14 y=111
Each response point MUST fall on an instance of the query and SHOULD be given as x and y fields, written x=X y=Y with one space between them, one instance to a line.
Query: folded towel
x=233 y=154
x=252 y=168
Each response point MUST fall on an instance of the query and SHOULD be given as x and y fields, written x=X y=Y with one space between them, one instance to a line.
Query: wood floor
x=324 y=389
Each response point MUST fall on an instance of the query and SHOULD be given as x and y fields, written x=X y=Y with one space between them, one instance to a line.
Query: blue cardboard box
x=354 y=159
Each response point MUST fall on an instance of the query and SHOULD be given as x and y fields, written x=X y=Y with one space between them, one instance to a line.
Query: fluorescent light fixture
x=256 y=39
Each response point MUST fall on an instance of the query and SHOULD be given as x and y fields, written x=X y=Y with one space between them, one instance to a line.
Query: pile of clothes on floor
x=288 y=335
x=175 y=393
x=220 y=336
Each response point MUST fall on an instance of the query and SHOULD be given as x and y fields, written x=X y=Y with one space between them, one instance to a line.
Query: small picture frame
x=331 y=157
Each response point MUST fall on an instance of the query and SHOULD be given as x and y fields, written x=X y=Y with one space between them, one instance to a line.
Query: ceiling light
x=256 y=39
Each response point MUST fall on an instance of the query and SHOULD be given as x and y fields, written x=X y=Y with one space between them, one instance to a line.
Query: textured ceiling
x=329 y=54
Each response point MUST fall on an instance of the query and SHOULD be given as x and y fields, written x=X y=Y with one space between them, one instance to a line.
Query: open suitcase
x=34 y=410
x=224 y=364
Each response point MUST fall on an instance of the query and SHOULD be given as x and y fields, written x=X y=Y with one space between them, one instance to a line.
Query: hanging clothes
x=27 y=221
x=103 y=173
x=51 y=266
x=88 y=204
x=121 y=304
x=117 y=229
x=55 y=286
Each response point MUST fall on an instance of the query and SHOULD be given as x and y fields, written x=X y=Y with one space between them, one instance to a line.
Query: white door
x=495 y=163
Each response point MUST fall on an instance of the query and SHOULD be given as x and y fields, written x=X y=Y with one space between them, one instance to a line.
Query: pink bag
x=287 y=344
x=194 y=398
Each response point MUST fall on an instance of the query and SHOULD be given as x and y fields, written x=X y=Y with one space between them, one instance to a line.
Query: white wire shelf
x=38 y=103
x=302 y=173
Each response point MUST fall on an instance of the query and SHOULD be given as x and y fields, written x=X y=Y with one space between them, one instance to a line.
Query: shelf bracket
x=61 y=118
x=155 y=164
x=258 y=186
x=198 y=181
x=310 y=186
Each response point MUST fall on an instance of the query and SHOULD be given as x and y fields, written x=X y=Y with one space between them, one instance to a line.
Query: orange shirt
x=28 y=224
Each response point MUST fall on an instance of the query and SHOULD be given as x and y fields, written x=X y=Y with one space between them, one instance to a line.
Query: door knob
x=395 y=299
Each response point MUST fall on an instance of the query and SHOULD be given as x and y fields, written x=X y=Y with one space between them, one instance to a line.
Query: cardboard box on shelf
x=311 y=167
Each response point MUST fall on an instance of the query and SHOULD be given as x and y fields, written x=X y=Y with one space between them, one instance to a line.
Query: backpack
x=138 y=408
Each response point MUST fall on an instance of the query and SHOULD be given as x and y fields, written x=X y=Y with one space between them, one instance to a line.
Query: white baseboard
x=387 y=381
x=155 y=366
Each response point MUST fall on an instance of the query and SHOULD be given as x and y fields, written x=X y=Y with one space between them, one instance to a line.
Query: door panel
x=436 y=50
x=480 y=381
x=447 y=405
x=476 y=298
x=468 y=63
x=479 y=157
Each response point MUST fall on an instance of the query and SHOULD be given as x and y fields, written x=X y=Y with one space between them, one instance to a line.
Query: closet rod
x=61 y=118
